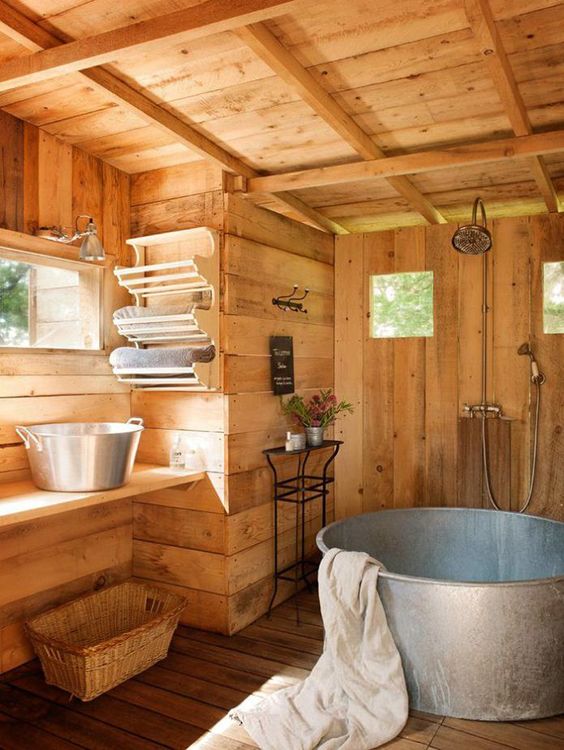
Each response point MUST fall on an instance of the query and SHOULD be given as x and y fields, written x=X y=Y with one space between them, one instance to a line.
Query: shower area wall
x=409 y=443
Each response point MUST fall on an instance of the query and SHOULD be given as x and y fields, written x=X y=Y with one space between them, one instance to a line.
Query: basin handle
x=135 y=420
x=28 y=437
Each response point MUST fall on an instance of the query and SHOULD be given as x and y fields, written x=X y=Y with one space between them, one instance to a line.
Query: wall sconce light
x=91 y=247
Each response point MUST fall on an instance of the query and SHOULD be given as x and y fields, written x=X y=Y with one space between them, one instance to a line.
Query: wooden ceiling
x=275 y=87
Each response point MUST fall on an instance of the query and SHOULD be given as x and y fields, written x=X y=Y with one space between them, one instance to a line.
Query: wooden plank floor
x=183 y=702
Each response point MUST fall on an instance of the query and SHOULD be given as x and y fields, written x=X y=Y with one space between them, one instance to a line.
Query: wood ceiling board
x=331 y=30
x=453 y=200
x=473 y=176
x=105 y=47
x=333 y=195
x=38 y=89
x=210 y=64
x=10 y=49
x=154 y=158
x=109 y=120
x=541 y=28
x=126 y=142
x=444 y=134
x=75 y=18
x=62 y=104
x=503 y=9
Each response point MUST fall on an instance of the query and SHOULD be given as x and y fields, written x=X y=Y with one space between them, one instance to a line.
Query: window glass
x=49 y=305
x=553 y=306
x=402 y=305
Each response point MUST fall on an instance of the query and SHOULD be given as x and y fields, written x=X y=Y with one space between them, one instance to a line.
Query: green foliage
x=554 y=297
x=14 y=303
x=402 y=305
x=321 y=410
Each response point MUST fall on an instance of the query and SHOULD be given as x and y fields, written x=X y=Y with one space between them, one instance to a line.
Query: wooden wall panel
x=44 y=563
x=349 y=327
x=221 y=544
x=418 y=448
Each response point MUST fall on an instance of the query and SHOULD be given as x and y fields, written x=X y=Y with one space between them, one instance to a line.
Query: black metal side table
x=299 y=489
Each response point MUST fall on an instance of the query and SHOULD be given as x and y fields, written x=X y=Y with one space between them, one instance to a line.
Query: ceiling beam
x=211 y=17
x=266 y=45
x=22 y=30
x=482 y=24
x=504 y=149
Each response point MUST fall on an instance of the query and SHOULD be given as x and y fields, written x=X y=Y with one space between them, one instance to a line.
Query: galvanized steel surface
x=81 y=456
x=475 y=602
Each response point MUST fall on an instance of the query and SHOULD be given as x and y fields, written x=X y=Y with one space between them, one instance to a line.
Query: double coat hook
x=290 y=301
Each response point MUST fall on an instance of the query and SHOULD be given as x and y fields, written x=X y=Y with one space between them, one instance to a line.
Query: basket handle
x=28 y=438
x=135 y=420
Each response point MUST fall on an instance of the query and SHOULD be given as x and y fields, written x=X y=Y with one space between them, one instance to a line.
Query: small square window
x=48 y=303
x=553 y=297
x=402 y=305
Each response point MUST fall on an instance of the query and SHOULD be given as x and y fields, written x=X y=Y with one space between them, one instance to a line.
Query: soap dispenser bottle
x=176 y=457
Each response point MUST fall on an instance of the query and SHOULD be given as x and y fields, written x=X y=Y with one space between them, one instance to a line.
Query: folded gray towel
x=128 y=358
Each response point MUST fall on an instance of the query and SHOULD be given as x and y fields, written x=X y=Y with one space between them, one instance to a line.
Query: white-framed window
x=553 y=297
x=49 y=302
x=401 y=305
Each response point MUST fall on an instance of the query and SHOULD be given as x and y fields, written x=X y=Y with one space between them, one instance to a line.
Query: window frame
x=32 y=250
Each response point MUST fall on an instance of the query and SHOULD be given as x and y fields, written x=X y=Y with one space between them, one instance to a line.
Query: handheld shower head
x=474 y=238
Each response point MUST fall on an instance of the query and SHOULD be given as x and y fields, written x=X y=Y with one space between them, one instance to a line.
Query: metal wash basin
x=81 y=456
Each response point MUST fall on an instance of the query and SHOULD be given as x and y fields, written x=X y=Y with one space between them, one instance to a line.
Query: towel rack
x=149 y=284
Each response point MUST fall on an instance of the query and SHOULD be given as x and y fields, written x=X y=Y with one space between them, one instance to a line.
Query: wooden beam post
x=263 y=42
x=485 y=31
x=504 y=149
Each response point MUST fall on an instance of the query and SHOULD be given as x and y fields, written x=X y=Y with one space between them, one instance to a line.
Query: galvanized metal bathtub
x=475 y=602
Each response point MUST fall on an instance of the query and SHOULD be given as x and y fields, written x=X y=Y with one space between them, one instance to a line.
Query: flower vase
x=314 y=436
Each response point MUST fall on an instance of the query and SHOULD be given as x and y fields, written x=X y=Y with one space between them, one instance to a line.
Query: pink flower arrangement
x=321 y=410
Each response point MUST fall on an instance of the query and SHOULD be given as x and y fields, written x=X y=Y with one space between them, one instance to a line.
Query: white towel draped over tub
x=355 y=697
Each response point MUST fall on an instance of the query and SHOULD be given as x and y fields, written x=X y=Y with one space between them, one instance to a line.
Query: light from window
x=48 y=303
x=553 y=288
x=402 y=305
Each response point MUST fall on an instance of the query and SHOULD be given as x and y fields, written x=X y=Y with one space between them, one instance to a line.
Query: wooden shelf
x=23 y=501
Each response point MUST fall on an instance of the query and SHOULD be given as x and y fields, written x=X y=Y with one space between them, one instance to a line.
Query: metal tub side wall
x=490 y=652
x=486 y=651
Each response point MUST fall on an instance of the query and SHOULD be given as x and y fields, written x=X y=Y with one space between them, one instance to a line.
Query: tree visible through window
x=554 y=297
x=14 y=303
x=48 y=302
x=402 y=305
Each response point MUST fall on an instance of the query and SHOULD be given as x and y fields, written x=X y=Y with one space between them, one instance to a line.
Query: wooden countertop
x=23 y=501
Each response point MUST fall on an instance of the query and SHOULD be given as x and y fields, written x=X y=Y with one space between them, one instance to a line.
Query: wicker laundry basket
x=94 y=643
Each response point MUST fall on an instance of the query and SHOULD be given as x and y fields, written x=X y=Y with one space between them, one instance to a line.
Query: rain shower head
x=474 y=238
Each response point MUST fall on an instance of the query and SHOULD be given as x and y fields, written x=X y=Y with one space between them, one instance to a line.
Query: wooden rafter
x=22 y=30
x=265 y=44
x=504 y=149
x=486 y=34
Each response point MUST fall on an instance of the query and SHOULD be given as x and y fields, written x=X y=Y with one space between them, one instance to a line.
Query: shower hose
x=538 y=381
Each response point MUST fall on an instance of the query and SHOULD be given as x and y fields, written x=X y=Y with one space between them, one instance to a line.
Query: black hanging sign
x=282 y=364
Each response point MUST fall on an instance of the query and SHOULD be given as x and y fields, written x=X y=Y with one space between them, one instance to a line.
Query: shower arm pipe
x=484 y=328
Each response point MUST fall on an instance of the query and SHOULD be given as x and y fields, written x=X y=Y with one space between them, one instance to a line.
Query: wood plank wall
x=45 y=182
x=215 y=542
x=265 y=255
x=406 y=444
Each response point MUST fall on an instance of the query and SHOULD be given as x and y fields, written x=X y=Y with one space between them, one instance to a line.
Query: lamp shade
x=91 y=247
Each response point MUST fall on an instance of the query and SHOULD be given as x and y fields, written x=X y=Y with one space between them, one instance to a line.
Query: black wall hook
x=290 y=301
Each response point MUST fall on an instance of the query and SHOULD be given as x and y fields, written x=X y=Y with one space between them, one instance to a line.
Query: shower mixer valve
x=485 y=410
